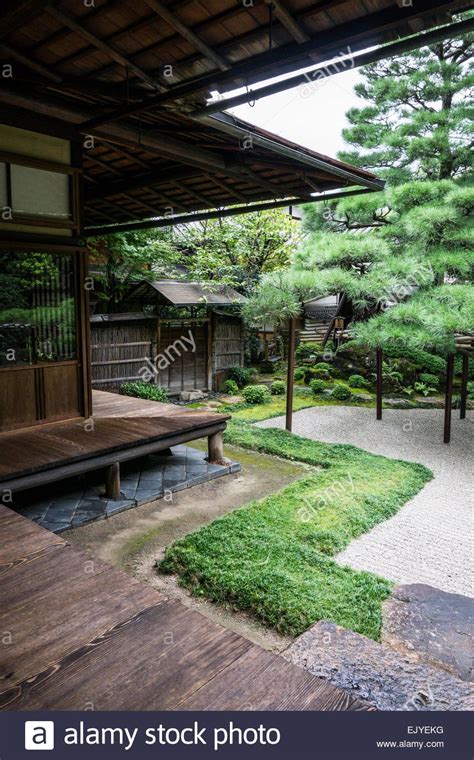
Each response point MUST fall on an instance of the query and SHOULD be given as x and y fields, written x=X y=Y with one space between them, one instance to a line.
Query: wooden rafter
x=197 y=196
x=227 y=188
x=172 y=19
x=15 y=13
x=30 y=63
x=291 y=25
x=110 y=50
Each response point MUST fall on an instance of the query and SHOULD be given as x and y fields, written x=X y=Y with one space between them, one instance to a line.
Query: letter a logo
x=39 y=734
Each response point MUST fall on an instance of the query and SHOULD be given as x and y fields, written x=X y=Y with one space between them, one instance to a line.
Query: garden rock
x=372 y=672
x=430 y=401
x=435 y=626
x=362 y=397
x=231 y=399
x=192 y=395
x=398 y=403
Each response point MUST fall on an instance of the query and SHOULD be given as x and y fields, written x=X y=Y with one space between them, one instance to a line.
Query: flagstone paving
x=430 y=539
x=73 y=503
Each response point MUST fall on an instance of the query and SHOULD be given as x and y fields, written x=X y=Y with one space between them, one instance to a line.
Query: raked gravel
x=430 y=540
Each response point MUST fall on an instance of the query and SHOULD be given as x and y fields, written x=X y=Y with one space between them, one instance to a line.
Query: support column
x=465 y=369
x=379 y=362
x=448 y=398
x=112 y=483
x=215 y=444
x=290 y=373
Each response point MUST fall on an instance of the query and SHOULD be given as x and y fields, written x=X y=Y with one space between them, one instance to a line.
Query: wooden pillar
x=112 y=483
x=465 y=369
x=448 y=398
x=290 y=373
x=215 y=443
x=379 y=364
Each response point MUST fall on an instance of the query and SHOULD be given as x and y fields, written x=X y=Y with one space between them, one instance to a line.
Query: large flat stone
x=431 y=625
x=374 y=673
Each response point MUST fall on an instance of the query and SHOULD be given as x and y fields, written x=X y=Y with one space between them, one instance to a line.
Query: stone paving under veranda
x=430 y=539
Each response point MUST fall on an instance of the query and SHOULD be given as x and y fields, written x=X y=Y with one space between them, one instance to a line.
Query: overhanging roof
x=132 y=74
x=181 y=293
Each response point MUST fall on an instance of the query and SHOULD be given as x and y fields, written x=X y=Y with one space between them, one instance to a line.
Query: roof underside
x=180 y=293
x=75 y=64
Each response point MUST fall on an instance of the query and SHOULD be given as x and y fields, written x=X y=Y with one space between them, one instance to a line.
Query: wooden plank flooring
x=119 y=423
x=86 y=636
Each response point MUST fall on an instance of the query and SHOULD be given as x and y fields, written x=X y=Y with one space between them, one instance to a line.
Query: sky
x=313 y=117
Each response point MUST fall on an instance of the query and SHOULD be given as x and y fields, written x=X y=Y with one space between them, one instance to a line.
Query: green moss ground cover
x=273 y=557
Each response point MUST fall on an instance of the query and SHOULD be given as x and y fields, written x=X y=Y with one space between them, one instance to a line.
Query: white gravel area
x=430 y=540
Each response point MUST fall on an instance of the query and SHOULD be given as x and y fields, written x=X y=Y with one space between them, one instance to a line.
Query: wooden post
x=290 y=373
x=465 y=369
x=112 y=483
x=379 y=365
x=448 y=398
x=215 y=445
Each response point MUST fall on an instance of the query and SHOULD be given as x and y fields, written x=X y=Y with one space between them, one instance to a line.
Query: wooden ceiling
x=131 y=73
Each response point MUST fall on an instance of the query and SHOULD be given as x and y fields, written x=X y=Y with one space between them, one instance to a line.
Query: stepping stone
x=398 y=403
x=372 y=672
x=432 y=625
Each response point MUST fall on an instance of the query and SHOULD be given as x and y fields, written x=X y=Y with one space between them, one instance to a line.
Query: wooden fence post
x=379 y=365
x=465 y=370
x=290 y=373
x=112 y=487
x=448 y=398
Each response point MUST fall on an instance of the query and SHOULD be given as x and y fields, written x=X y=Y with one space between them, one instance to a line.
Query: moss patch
x=273 y=557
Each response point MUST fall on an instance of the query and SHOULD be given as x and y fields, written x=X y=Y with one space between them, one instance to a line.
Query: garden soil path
x=430 y=539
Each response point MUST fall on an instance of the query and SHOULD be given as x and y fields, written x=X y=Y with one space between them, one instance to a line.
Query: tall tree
x=417 y=123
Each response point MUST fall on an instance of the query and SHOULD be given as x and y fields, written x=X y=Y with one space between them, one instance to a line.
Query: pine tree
x=418 y=120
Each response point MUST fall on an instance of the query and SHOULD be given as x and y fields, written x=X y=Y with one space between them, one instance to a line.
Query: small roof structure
x=182 y=293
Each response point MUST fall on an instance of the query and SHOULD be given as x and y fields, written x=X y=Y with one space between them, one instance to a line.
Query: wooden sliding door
x=43 y=351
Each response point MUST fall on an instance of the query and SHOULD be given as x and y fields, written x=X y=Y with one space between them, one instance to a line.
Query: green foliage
x=323 y=367
x=317 y=386
x=256 y=394
x=305 y=350
x=429 y=379
x=416 y=121
x=140 y=389
x=241 y=375
x=470 y=390
x=424 y=389
x=230 y=387
x=278 y=388
x=341 y=392
x=299 y=372
x=273 y=557
x=357 y=381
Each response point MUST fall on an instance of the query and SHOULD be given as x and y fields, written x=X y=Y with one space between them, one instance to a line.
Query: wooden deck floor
x=83 y=635
x=120 y=423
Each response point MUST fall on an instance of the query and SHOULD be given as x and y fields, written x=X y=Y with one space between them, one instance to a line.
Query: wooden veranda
x=86 y=636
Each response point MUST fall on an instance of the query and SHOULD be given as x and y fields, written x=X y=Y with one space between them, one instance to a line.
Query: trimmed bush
x=256 y=394
x=341 y=392
x=323 y=366
x=317 y=386
x=314 y=372
x=470 y=390
x=428 y=379
x=298 y=374
x=305 y=350
x=357 y=381
x=230 y=387
x=277 y=388
x=241 y=375
x=140 y=389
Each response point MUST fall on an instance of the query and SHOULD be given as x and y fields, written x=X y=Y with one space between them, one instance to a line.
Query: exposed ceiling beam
x=29 y=62
x=226 y=187
x=217 y=214
x=290 y=24
x=172 y=19
x=15 y=13
x=314 y=75
x=326 y=44
x=110 y=50
x=197 y=196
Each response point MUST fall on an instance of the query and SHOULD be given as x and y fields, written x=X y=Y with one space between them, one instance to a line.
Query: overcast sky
x=313 y=116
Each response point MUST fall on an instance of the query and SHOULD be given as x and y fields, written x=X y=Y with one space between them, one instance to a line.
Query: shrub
x=357 y=381
x=470 y=390
x=323 y=366
x=341 y=392
x=256 y=394
x=140 y=389
x=428 y=379
x=230 y=387
x=305 y=350
x=317 y=386
x=298 y=374
x=277 y=388
x=241 y=375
